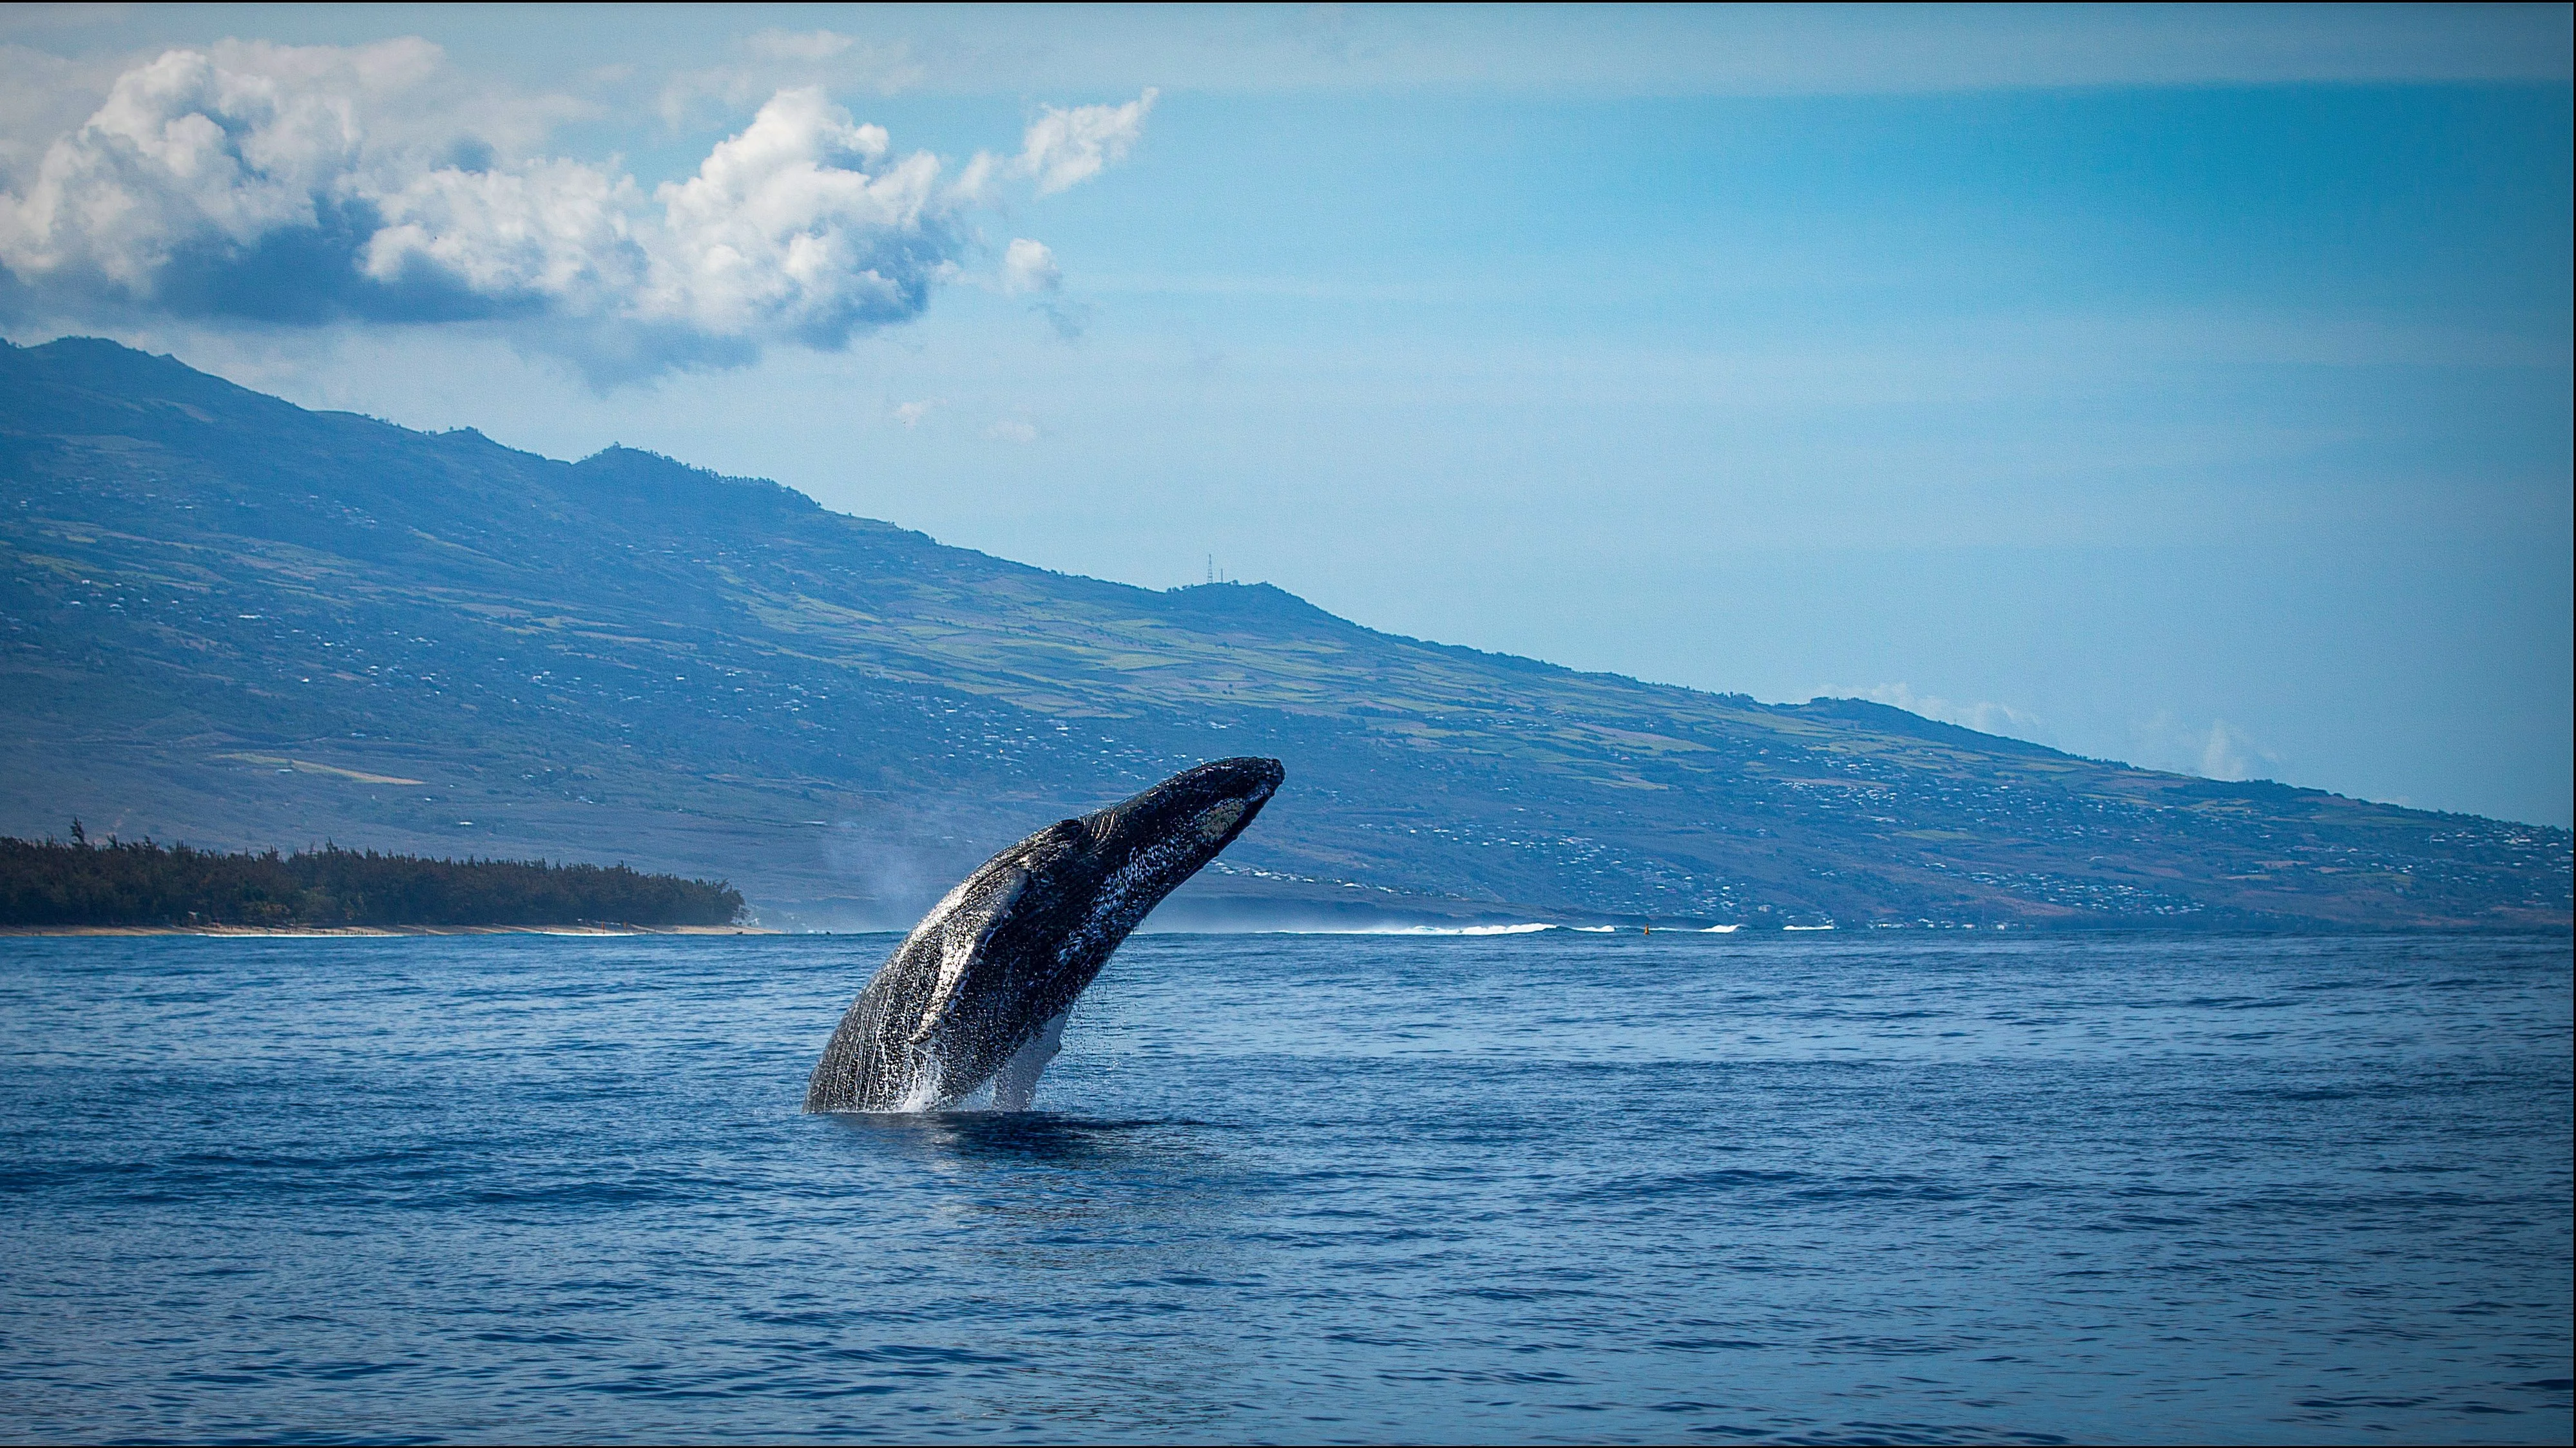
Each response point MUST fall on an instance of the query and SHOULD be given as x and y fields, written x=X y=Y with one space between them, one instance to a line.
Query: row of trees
x=142 y=883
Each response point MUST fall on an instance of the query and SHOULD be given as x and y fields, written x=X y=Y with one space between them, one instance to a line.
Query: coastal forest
x=141 y=883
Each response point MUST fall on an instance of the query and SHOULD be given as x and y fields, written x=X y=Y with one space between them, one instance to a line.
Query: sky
x=2182 y=386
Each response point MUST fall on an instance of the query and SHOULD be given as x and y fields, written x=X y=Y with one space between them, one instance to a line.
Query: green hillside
x=238 y=623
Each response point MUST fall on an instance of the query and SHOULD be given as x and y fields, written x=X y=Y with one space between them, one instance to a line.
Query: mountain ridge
x=839 y=713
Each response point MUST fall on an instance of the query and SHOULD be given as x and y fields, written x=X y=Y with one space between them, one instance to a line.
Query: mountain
x=235 y=622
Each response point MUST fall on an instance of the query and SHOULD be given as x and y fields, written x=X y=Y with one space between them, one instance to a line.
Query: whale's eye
x=1219 y=818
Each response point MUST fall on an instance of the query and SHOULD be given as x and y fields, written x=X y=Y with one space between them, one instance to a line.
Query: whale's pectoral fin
x=963 y=943
x=1016 y=1084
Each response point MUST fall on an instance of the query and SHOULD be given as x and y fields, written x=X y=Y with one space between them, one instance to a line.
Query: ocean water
x=1522 y=1188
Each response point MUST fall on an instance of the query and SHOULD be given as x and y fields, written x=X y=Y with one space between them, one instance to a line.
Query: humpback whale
x=980 y=989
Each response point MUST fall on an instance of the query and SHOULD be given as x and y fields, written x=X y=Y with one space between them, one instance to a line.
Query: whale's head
x=1084 y=883
x=1061 y=900
x=1146 y=845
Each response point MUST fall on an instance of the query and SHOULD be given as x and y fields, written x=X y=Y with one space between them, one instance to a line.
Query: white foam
x=1720 y=929
x=1595 y=929
x=1526 y=929
x=923 y=1092
x=1806 y=927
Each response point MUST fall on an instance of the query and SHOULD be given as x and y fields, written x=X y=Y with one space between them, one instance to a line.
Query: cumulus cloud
x=183 y=150
x=1065 y=147
x=802 y=224
x=1029 y=266
x=910 y=414
x=555 y=230
x=309 y=184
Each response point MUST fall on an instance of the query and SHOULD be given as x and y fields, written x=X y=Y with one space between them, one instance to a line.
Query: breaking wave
x=1531 y=928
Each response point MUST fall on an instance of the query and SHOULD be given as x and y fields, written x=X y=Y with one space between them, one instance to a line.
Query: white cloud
x=2218 y=750
x=231 y=140
x=1985 y=716
x=800 y=225
x=305 y=183
x=1012 y=430
x=1029 y=266
x=910 y=414
x=184 y=149
x=552 y=229
x=1067 y=147
x=2228 y=753
x=974 y=183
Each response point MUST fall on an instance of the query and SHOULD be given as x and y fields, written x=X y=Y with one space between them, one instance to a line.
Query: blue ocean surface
x=1854 y=1188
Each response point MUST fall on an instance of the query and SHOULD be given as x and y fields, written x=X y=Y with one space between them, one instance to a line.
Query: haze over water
x=1298 y=1188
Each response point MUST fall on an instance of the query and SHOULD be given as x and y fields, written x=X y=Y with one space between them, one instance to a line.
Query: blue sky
x=2183 y=386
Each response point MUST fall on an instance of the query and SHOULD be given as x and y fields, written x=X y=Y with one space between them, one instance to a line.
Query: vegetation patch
x=125 y=882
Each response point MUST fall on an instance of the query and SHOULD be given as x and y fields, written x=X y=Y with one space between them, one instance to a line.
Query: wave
x=1720 y=929
x=1595 y=929
x=1527 y=929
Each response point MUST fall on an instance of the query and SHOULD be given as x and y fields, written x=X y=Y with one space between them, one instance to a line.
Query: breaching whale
x=980 y=989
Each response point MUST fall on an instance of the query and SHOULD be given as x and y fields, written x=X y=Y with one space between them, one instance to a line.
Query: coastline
x=289 y=931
